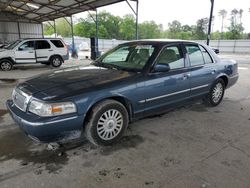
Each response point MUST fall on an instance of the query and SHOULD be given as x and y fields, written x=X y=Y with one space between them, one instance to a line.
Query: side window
x=195 y=55
x=172 y=56
x=42 y=44
x=206 y=56
x=57 y=43
x=29 y=45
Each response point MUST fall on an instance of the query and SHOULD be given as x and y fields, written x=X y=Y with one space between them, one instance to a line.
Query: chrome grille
x=20 y=99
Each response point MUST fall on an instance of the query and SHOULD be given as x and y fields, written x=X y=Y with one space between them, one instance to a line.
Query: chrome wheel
x=217 y=92
x=109 y=124
x=6 y=66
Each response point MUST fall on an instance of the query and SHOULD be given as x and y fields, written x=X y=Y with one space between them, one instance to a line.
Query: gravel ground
x=193 y=146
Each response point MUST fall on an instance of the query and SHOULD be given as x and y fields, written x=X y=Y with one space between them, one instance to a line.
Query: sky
x=185 y=11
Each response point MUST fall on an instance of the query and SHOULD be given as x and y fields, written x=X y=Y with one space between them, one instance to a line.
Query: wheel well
x=225 y=79
x=55 y=55
x=7 y=58
x=121 y=100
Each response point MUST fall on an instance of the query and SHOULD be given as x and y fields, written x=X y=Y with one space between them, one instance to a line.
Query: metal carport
x=38 y=11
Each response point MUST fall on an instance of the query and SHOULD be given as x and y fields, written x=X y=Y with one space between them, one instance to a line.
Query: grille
x=20 y=99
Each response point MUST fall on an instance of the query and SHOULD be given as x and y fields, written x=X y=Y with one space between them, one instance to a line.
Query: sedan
x=134 y=80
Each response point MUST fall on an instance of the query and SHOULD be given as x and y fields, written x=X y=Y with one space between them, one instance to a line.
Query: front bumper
x=46 y=129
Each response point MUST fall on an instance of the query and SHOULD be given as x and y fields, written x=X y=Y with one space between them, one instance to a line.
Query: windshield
x=13 y=45
x=130 y=57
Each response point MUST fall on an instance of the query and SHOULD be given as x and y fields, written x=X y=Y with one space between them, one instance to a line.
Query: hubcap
x=56 y=61
x=109 y=124
x=217 y=92
x=5 y=66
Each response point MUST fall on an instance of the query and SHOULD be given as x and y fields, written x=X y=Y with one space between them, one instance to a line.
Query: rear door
x=25 y=53
x=60 y=48
x=43 y=50
x=202 y=69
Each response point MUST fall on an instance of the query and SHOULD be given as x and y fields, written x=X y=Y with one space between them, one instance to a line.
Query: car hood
x=4 y=52
x=72 y=81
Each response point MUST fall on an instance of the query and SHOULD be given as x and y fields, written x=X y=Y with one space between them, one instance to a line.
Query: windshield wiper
x=108 y=65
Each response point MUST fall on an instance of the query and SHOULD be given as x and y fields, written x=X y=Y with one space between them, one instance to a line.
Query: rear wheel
x=56 y=61
x=6 y=65
x=107 y=123
x=216 y=93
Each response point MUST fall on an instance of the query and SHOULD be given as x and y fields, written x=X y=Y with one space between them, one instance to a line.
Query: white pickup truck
x=50 y=51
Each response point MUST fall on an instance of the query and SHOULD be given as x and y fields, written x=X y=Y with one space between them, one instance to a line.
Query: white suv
x=50 y=51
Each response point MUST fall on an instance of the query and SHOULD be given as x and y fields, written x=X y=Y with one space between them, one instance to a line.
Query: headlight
x=51 y=109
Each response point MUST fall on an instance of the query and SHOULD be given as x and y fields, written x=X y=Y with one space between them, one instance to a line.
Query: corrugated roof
x=44 y=10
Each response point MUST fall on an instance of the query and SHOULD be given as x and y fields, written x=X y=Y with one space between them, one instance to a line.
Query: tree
x=63 y=27
x=48 y=29
x=127 y=27
x=201 y=28
x=174 y=26
x=235 y=29
x=150 y=29
x=223 y=14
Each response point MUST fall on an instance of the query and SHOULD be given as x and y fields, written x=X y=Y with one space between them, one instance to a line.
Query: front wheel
x=216 y=93
x=56 y=61
x=107 y=123
x=6 y=65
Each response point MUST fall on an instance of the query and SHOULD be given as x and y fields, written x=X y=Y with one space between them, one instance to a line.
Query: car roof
x=163 y=41
x=41 y=39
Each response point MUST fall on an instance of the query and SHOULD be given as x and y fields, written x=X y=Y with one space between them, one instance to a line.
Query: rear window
x=42 y=44
x=57 y=43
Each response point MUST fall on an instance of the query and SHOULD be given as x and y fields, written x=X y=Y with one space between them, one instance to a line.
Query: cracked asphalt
x=192 y=146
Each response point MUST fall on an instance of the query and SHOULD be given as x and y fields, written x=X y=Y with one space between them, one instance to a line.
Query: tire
x=56 y=61
x=107 y=123
x=6 y=65
x=216 y=93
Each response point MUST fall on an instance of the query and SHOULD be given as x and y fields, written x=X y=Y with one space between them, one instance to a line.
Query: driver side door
x=166 y=89
x=25 y=53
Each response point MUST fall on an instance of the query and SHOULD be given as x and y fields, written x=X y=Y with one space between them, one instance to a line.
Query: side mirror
x=20 y=49
x=216 y=50
x=161 y=68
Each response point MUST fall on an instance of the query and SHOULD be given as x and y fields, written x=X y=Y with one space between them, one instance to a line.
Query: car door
x=25 y=53
x=202 y=74
x=43 y=50
x=165 y=89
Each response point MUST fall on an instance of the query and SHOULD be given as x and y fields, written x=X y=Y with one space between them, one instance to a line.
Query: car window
x=195 y=55
x=42 y=44
x=206 y=56
x=119 y=55
x=29 y=45
x=57 y=43
x=172 y=56
x=131 y=56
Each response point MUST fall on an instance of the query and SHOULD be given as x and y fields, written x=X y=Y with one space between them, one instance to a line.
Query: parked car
x=51 y=51
x=133 y=80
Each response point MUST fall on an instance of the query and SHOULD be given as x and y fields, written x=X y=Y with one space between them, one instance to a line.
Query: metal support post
x=210 y=22
x=42 y=30
x=18 y=28
x=97 y=34
x=136 y=14
x=55 y=28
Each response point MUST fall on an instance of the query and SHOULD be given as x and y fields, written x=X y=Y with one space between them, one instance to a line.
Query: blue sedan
x=133 y=80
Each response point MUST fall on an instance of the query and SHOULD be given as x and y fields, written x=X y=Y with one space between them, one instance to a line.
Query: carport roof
x=38 y=11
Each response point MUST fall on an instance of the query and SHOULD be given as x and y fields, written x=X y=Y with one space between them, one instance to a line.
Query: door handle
x=186 y=76
x=213 y=71
x=50 y=50
x=31 y=52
